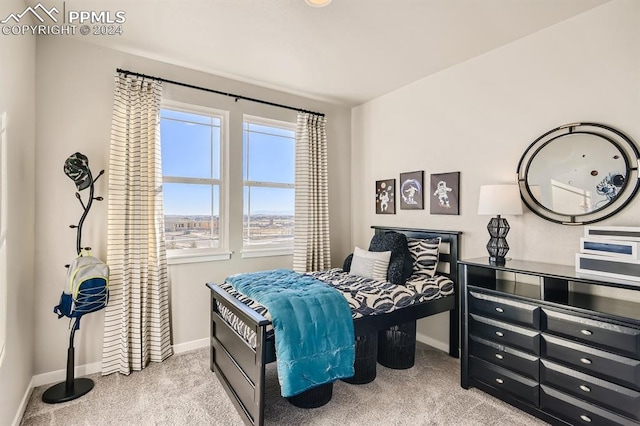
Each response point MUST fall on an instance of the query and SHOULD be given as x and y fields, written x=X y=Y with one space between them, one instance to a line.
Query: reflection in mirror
x=579 y=173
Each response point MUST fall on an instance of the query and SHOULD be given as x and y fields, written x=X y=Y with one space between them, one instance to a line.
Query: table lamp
x=499 y=200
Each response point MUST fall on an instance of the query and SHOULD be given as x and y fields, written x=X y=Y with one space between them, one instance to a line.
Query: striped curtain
x=311 y=235
x=136 y=328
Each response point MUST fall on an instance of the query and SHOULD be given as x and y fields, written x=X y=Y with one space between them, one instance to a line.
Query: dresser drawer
x=622 y=340
x=578 y=412
x=591 y=389
x=505 y=380
x=504 y=309
x=500 y=332
x=504 y=356
x=615 y=368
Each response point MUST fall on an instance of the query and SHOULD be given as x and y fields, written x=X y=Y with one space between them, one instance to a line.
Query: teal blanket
x=313 y=327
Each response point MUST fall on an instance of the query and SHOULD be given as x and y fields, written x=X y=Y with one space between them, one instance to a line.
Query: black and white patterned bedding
x=366 y=296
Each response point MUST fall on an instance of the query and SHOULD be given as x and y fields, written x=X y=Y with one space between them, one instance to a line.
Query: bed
x=242 y=341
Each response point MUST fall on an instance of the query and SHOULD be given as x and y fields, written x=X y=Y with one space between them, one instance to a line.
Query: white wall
x=17 y=99
x=480 y=116
x=75 y=95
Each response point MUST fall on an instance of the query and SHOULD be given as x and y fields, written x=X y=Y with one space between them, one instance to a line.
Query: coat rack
x=77 y=168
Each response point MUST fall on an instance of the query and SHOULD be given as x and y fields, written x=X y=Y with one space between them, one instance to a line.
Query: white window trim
x=273 y=249
x=268 y=252
x=176 y=257
x=222 y=252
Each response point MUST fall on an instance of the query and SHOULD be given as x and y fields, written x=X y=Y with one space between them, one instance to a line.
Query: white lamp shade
x=317 y=3
x=499 y=200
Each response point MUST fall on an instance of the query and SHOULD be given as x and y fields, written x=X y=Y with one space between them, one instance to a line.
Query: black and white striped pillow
x=424 y=253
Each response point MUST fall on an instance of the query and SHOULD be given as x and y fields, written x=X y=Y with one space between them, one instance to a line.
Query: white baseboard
x=432 y=342
x=189 y=346
x=61 y=375
x=23 y=404
x=96 y=367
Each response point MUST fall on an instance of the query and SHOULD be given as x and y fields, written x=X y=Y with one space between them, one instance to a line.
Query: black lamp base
x=500 y=261
x=497 y=246
x=63 y=392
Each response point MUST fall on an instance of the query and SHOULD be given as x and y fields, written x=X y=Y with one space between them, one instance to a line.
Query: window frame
x=275 y=248
x=222 y=252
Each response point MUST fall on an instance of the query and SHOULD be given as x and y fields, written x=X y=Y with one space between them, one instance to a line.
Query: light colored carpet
x=183 y=391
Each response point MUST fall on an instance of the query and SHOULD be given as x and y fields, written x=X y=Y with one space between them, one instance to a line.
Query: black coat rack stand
x=73 y=388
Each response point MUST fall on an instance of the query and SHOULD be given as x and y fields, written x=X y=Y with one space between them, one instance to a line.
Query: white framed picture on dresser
x=626 y=233
x=609 y=247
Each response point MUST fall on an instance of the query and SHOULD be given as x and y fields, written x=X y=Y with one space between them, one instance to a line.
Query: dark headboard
x=449 y=247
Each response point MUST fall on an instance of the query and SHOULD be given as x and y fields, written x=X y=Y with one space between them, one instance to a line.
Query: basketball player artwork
x=385 y=196
x=445 y=193
x=412 y=191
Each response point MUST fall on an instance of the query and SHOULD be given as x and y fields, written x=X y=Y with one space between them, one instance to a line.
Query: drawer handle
x=586 y=332
x=585 y=418
x=585 y=388
x=499 y=309
x=499 y=381
x=499 y=333
x=499 y=356
x=585 y=361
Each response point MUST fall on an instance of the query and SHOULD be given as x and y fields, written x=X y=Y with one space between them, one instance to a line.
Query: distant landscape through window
x=191 y=169
x=193 y=181
x=269 y=176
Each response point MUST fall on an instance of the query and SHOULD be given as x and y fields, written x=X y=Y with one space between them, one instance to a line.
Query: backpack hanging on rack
x=87 y=287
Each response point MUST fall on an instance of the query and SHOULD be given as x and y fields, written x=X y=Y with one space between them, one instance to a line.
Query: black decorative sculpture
x=77 y=168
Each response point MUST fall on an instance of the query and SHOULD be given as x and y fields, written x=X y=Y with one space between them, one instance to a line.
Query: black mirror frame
x=621 y=141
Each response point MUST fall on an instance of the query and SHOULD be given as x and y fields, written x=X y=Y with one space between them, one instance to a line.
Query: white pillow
x=370 y=264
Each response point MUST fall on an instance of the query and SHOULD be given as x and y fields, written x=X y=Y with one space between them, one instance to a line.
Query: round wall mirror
x=579 y=173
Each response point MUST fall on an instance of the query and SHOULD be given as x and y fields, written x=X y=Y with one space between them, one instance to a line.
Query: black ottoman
x=397 y=346
x=314 y=397
x=365 y=363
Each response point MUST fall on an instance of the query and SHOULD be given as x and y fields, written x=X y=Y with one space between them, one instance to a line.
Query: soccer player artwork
x=411 y=191
x=386 y=196
x=445 y=193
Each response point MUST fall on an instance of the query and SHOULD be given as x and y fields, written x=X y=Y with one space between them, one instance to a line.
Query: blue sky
x=187 y=152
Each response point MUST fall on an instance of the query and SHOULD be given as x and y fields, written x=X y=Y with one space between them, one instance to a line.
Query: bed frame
x=241 y=369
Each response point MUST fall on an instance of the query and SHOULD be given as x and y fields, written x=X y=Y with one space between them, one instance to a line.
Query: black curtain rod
x=218 y=92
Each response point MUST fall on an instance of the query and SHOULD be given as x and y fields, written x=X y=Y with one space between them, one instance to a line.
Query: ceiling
x=348 y=52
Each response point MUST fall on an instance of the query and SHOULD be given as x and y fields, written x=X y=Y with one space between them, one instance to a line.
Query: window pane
x=268 y=215
x=215 y=145
x=270 y=158
x=191 y=215
x=245 y=158
x=186 y=149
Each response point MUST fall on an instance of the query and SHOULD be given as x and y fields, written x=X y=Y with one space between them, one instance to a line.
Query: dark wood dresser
x=552 y=342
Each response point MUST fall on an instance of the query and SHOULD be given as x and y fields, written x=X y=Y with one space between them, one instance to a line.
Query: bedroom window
x=193 y=142
x=3 y=234
x=268 y=180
